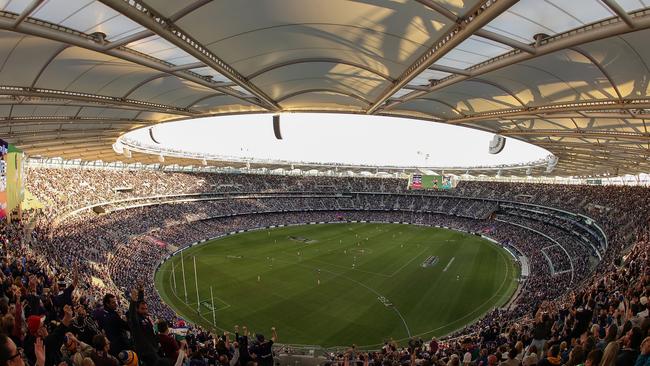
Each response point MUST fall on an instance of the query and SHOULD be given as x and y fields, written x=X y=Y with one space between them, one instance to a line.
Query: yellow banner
x=15 y=190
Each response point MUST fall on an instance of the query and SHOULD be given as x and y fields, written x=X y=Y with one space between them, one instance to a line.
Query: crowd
x=66 y=286
x=48 y=317
x=53 y=185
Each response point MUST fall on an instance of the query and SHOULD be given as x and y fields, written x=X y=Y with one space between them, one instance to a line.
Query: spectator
x=630 y=349
x=100 y=355
x=263 y=349
x=644 y=357
x=73 y=351
x=141 y=326
x=168 y=345
x=113 y=325
x=552 y=357
x=610 y=353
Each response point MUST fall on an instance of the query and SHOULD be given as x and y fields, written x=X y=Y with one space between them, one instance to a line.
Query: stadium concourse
x=68 y=273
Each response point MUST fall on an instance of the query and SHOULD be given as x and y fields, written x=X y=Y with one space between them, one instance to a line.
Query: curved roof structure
x=570 y=76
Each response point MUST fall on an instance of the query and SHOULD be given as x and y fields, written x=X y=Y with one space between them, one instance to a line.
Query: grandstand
x=124 y=251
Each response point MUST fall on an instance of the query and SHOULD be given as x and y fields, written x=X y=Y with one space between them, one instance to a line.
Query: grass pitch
x=338 y=284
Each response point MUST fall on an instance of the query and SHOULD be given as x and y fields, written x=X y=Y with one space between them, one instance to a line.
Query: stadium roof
x=569 y=76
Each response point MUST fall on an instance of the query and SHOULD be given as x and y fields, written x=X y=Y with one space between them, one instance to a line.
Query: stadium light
x=118 y=147
x=497 y=144
x=551 y=163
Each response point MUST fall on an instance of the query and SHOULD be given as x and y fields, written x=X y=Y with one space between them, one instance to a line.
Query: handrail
x=547 y=237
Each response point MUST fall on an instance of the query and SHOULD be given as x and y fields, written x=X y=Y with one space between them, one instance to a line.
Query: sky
x=339 y=138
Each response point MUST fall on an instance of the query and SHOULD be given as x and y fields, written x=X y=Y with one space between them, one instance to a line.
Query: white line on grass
x=188 y=317
x=394 y=308
x=219 y=308
x=496 y=293
x=449 y=264
x=408 y=331
x=407 y=263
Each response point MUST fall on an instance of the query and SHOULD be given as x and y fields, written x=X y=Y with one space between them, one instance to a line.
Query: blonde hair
x=609 y=355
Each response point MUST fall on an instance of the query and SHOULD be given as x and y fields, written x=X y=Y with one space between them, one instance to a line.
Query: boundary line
x=449 y=264
x=408 y=331
x=498 y=246
x=505 y=277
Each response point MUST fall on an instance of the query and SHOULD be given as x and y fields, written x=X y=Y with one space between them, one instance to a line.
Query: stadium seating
x=588 y=250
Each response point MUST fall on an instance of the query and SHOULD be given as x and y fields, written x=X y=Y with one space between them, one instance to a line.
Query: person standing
x=263 y=350
x=141 y=326
x=114 y=326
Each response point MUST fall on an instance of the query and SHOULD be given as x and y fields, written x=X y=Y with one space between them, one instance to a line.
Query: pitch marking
x=407 y=263
x=505 y=278
x=449 y=264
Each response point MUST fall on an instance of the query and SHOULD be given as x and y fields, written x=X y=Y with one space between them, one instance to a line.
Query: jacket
x=144 y=338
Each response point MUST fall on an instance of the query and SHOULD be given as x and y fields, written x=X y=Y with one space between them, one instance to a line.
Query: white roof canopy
x=570 y=76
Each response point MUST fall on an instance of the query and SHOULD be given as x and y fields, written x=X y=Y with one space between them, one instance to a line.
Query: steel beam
x=606 y=135
x=59 y=133
x=34 y=101
x=415 y=87
x=28 y=145
x=194 y=65
x=71 y=37
x=91 y=155
x=614 y=114
x=505 y=40
x=440 y=10
x=38 y=121
x=18 y=91
x=593 y=32
x=27 y=11
x=451 y=70
x=152 y=20
x=482 y=15
x=618 y=10
x=91 y=147
x=586 y=154
x=597 y=161
x=548 y=110
x=188 y=9
x=592 y=148
x=85 y=147
x=128 y=39
x=49 y=141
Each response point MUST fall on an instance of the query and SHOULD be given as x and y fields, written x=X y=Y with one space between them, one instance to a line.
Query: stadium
x=340 y=182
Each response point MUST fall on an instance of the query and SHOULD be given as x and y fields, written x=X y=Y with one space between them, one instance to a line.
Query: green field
x=271 y=278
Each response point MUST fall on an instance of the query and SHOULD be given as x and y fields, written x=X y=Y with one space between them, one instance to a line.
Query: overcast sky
x=340 y=138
